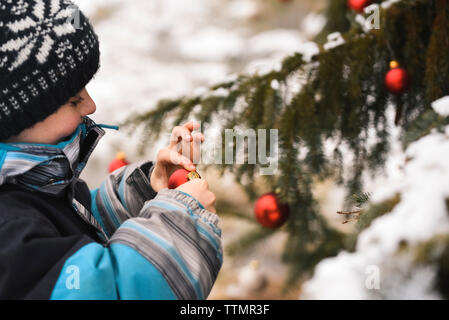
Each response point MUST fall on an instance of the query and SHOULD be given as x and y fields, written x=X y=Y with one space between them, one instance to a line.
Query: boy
x=132 y=238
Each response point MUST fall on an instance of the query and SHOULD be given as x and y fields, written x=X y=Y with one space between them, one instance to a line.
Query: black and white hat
x=48 y=53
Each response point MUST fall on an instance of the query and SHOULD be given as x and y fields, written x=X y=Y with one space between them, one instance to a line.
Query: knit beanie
x=48 y=54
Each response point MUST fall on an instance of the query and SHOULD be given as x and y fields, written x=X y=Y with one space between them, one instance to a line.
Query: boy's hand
x=199 y=189
x=177 y=155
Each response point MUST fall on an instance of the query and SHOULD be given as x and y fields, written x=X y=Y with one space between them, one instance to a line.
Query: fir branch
x=361 y=199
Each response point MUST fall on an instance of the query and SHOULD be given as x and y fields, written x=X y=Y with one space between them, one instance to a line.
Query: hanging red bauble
x=177 y=178
x=181 y=176
x=358 y=5
x=118 y=162
x=269 y=212
x=397 y=79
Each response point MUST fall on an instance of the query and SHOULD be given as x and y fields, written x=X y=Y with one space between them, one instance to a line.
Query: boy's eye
x=76 y=101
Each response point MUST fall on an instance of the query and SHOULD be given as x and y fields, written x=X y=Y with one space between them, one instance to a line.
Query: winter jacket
x=60 y=240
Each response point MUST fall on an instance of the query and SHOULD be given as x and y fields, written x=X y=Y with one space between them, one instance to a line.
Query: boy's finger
x=168 y=156
x=178 y=159
x=179 y=134
x=191 y=125
x=192 y=150
x=185 y=149
x=198 y=136
x=196 y=147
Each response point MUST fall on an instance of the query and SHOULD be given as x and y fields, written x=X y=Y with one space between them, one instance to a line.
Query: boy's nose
x=89 y=105
x=90 y=108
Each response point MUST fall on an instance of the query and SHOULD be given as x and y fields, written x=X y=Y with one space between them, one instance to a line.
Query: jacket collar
x=49 y=168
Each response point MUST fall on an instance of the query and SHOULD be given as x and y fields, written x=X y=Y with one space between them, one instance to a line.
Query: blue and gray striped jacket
x=60 y=240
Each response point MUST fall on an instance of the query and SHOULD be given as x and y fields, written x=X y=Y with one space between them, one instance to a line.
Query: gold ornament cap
x=394 y=64
x=193 y=175
x=120 y=155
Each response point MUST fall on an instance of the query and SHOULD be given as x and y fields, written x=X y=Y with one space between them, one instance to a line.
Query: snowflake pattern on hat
x=48 y=53
x=41 y=31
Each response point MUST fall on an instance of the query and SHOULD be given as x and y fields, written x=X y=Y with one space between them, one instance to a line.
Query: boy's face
x=60 y=124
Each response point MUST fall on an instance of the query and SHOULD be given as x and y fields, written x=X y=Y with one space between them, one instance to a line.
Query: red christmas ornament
x=269 y=212
x=397 y=79
x=181 y=176
x=358 y=5
x=177 y=178
x=118 y=162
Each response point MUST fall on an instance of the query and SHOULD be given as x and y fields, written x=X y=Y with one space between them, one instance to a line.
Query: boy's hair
x=48 y=53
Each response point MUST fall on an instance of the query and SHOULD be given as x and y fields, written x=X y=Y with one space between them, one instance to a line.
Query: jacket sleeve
x=121 y=195
x=172 y=250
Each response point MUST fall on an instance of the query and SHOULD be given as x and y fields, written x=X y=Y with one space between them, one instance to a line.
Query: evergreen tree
x=342 y=98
